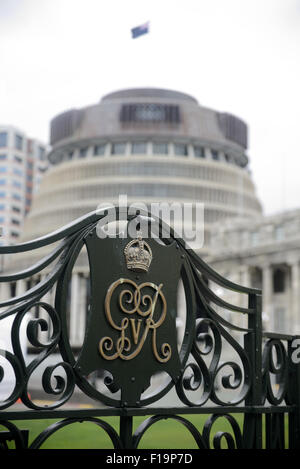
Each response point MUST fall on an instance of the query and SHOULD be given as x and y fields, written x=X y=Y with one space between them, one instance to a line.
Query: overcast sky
x=238 y=56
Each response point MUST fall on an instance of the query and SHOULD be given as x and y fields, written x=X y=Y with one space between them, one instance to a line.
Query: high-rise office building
x=22 y=164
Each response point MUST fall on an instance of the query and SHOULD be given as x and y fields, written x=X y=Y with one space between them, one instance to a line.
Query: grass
x=162 y=435
x=165 y=434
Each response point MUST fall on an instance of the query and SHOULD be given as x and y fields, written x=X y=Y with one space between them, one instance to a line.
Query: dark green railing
x=221 y=369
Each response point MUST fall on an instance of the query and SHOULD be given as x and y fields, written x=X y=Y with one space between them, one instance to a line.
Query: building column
x=149 y=150
x=77 y=309
x=294 y=316
x=47 y=298
x=245 y=276
x=74 y=307
x=267 y=291
x=5 y=291
x=81 y=309
x=207 y=153
x=107 y=151
x=171 y=149
x=20 y=287
x=38 y=311
x=190 y=151
x=244 y=282
x=181 y=312
x=127 y=148
x=90 y=151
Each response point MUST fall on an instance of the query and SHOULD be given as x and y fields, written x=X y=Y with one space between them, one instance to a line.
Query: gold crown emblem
x=138 y=255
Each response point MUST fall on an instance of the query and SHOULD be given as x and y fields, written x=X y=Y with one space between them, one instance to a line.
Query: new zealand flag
x=140 y=30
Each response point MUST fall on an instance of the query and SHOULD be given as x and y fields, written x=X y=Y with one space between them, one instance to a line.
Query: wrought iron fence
x=132 y=357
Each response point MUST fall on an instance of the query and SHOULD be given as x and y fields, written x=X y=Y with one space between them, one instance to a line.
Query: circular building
x=150 y=145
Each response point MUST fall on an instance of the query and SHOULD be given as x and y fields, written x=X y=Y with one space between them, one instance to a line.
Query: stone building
x=264 y=254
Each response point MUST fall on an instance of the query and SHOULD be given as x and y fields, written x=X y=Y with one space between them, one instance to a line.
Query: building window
x=180 y=149
x=3 y=157
x=118 y=148
x=3 y=169
x=215 y=155
x=254 y=238
x=2 y=219
x=83 y=152
x=18 y=142
x=56 y=158
x=17 y=172
x=18 y=159
x=99 y=150
x=256 y=277
x=139 y=148
x=279 y=233
x=16 y=209
x=14 y=234
x=2 y=182
x=2 y=194
x=278 y=281
x=199 y=152
x=16 y=196
x=150 y=112
x=14 y=221
x=29 y=146
x=3 y=139
x=17 y=184
x=160 y=148
x=41 y=153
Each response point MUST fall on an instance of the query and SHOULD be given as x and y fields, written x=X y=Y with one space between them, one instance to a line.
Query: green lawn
x=164 y=434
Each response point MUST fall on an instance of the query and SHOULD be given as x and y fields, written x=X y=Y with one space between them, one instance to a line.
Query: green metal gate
x=215 y=366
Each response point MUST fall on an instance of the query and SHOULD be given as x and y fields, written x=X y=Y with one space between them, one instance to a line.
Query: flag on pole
x=139 y=30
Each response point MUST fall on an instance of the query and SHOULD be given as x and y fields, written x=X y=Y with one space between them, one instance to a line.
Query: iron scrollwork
x=137 y=253
x=52 y=429
x=123 y=347
x=211 y=333
x=131 y=337
x=275 y=372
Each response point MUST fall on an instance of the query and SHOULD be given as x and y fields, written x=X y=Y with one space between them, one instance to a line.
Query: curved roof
x=148 y=93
